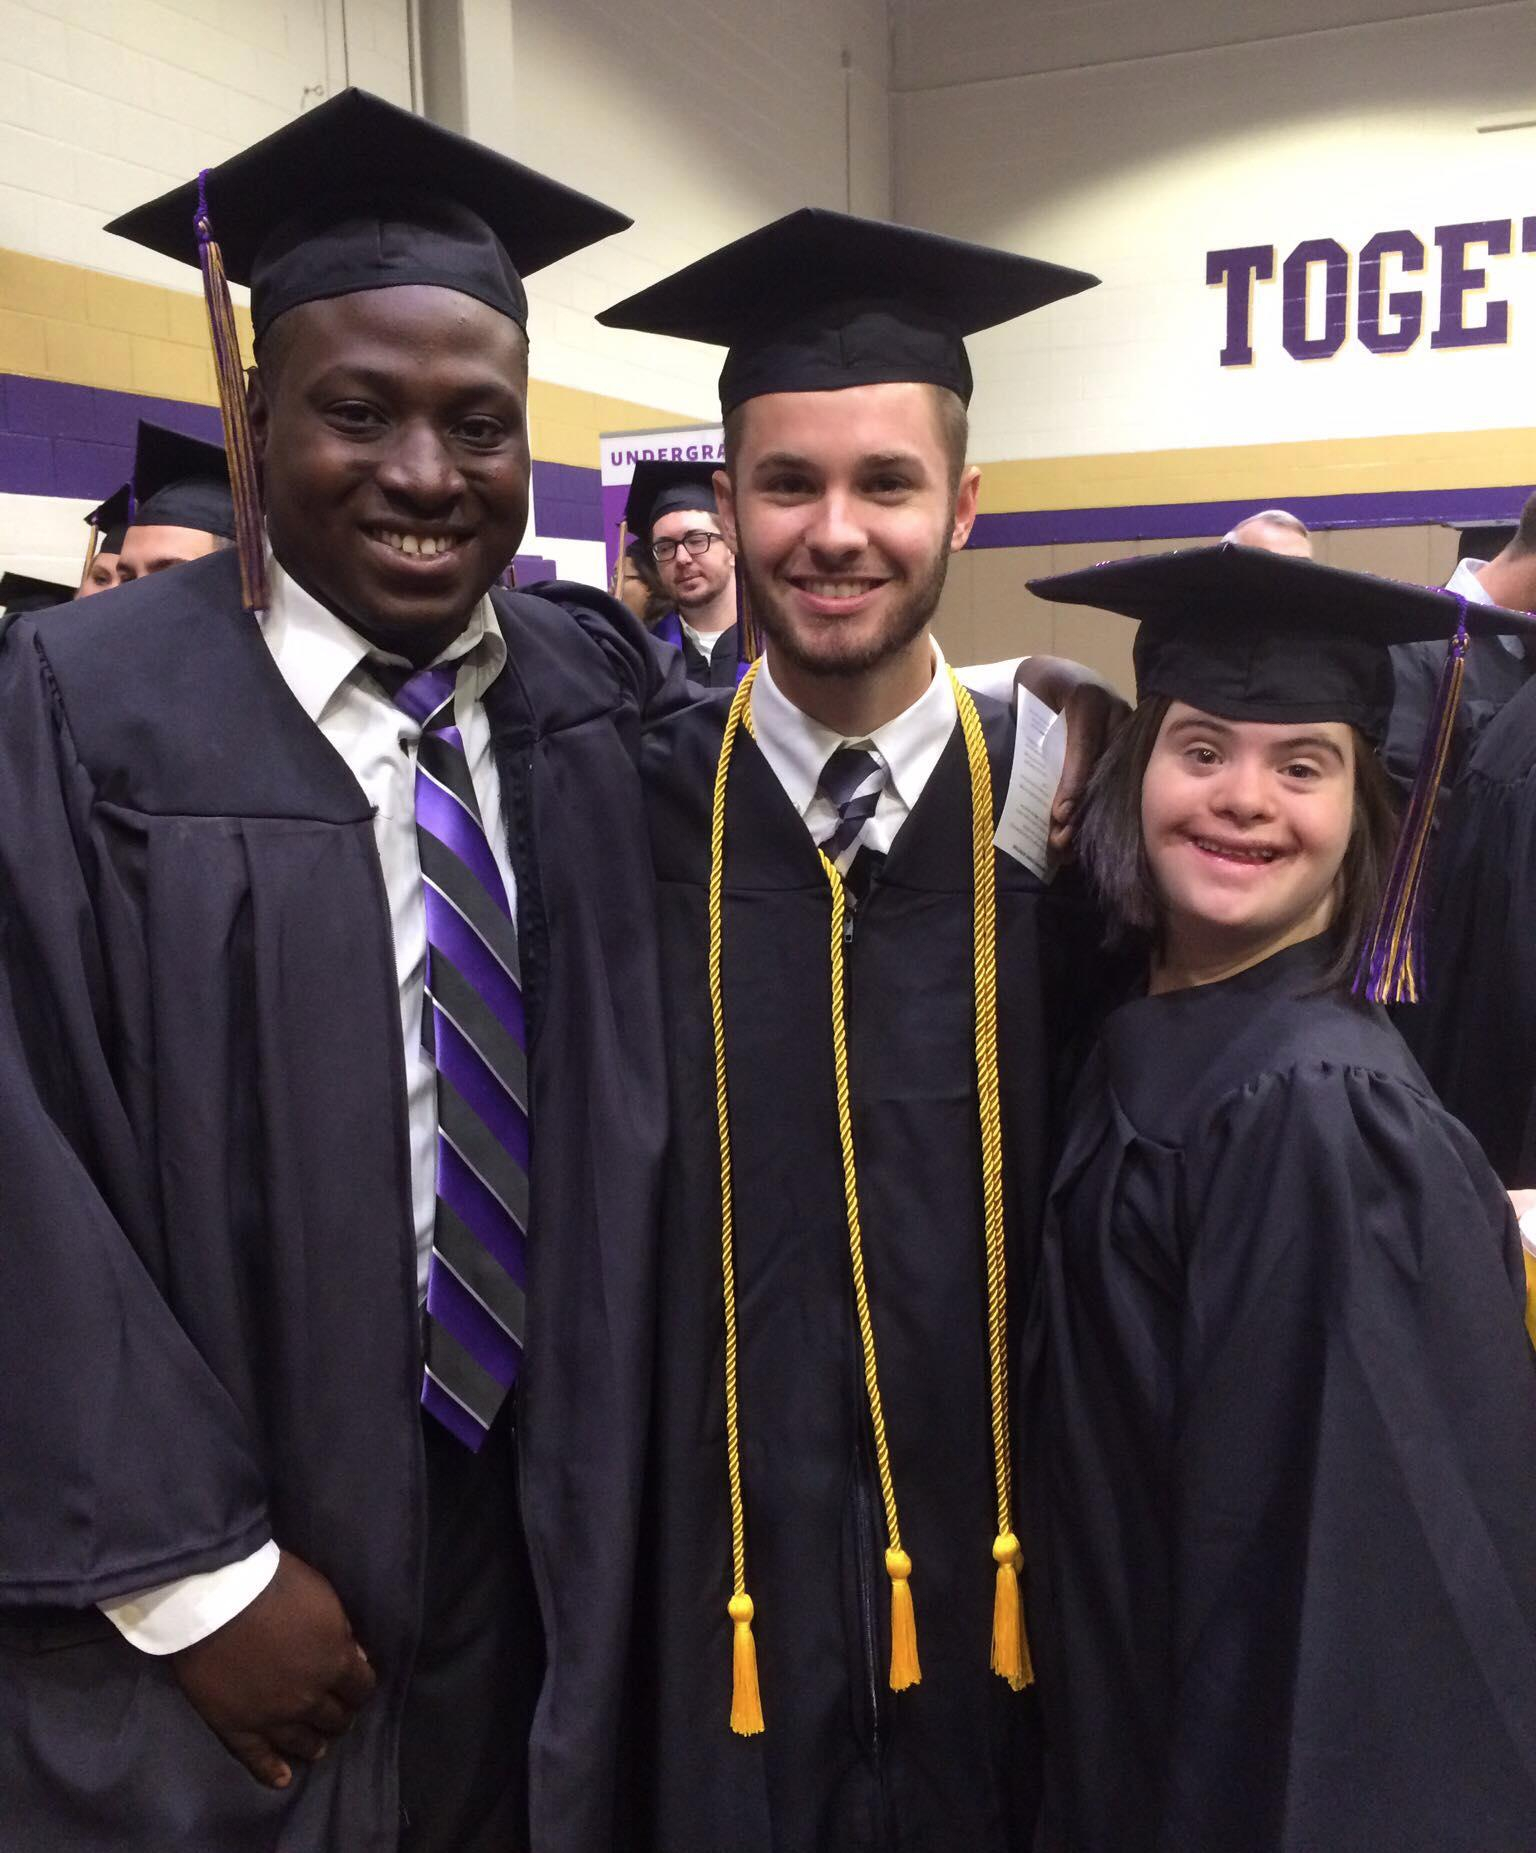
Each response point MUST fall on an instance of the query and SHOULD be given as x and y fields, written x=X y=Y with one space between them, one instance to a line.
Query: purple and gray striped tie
x=472 y=1027
x=852 y=781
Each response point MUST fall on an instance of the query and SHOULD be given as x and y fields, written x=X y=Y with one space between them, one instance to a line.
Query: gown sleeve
x=1353 y=1483
x=123 y=1460
x=649 y=671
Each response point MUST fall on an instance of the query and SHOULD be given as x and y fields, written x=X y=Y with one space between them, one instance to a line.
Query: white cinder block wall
x=1094 y=136
x=104 y=103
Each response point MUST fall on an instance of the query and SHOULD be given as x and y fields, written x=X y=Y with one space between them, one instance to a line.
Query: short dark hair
x=1114 y=854
x=954 y=432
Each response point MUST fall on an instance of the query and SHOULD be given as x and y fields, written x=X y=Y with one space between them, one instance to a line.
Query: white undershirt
x=797 y=748
x=323 y=661
x=703 y=641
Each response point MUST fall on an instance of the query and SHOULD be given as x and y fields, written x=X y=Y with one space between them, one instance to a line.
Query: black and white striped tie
x=851 y=782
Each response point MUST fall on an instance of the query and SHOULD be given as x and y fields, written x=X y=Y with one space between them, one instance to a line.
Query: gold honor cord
x=1010 y=1644
x=1010 y=1653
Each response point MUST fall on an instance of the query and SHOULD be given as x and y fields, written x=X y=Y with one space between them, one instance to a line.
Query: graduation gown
x=208 y=1305
x=721 y=669
x=1494 y=675
x=844 y=1764
x=1475 y=1031
x=1281 y=1506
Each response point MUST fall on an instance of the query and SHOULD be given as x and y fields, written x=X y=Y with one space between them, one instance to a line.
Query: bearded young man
x=865 y=1001
x=331 y=1091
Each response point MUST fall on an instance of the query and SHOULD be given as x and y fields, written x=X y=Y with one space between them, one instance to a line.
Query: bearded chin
x=832 y=655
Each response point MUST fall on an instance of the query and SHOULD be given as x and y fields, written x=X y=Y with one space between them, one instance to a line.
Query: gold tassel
x=621 y=564
x=746 y=1702
x=905 y=1670
x=1010 y=1645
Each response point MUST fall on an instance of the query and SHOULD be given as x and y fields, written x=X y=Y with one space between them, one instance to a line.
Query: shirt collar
x=1465 y=581
x=316 y=653
x=797 y=747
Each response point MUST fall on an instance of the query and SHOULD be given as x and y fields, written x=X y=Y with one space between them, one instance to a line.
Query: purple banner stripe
x=451 y=934
x=445 y=817
x=452 y=1414
x=481 y=1211
x=1196 y=520
x=458 y=1063
x=453 y=1306
x=82 y=437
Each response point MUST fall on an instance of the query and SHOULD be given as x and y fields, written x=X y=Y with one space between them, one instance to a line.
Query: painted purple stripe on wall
x=57 y=439
x=1189 y=520
x=568 y=501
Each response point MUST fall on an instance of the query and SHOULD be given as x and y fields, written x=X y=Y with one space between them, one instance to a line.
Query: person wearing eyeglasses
x=671 y=512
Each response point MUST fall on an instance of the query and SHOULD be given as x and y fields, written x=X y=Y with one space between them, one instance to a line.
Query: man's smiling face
x=844 y=511
x=392 y=435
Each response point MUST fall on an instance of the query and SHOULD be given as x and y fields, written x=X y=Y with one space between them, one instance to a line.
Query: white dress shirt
x=797 y=748
x=325 y=665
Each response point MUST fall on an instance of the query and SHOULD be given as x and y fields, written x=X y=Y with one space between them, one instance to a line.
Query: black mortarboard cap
x=661 y=487
x=822 y=300
x=181 y=482
x=359 y=194
x=110 y=520
x=1253 y=635
x=20 y=592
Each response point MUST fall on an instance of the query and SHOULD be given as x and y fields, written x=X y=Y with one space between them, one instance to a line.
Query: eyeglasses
x=697 y=542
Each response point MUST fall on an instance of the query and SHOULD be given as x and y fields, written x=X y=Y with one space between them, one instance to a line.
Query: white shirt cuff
x=172 y=1616
x=1528 y=1230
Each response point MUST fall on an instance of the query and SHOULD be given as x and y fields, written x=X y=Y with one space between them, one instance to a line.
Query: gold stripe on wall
x=1242 y=472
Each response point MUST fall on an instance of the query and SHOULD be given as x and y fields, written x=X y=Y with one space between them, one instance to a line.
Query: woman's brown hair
x=1109 y=842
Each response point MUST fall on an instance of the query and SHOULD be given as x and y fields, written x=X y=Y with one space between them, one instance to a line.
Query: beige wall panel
x=1443 y=548
x=1398 y=553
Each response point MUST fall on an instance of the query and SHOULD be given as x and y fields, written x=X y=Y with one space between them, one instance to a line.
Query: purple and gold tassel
x=1390 y=971
x=250 y=536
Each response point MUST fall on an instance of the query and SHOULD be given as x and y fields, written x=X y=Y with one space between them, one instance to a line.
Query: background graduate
x=241 y=1205
x=1475 y=1032
x=831 y=1507
x=1280 y=1513
x=183 y=503
x=671 y=513
x=108 y=523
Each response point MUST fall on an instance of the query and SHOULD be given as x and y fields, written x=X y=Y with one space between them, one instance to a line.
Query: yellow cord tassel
x=746 y=1702
x=1010 y=1644
x=905 y=1670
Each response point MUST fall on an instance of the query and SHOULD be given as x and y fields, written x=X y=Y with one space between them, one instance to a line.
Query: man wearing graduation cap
x=671 y=511
x=330 y=1076
x=861 y=994
x=108 y=523
x=1497 y=668
x=184 y=506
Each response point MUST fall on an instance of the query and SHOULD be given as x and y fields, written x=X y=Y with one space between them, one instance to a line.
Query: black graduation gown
x=844 y=1763
x=1494 y=674
x=1475 y=1031
x=721 y=669
x=1282 y=1421
x=208 y=1313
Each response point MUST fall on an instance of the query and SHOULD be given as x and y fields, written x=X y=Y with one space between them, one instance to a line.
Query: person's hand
x=1092 y=712
x=282 y=1679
